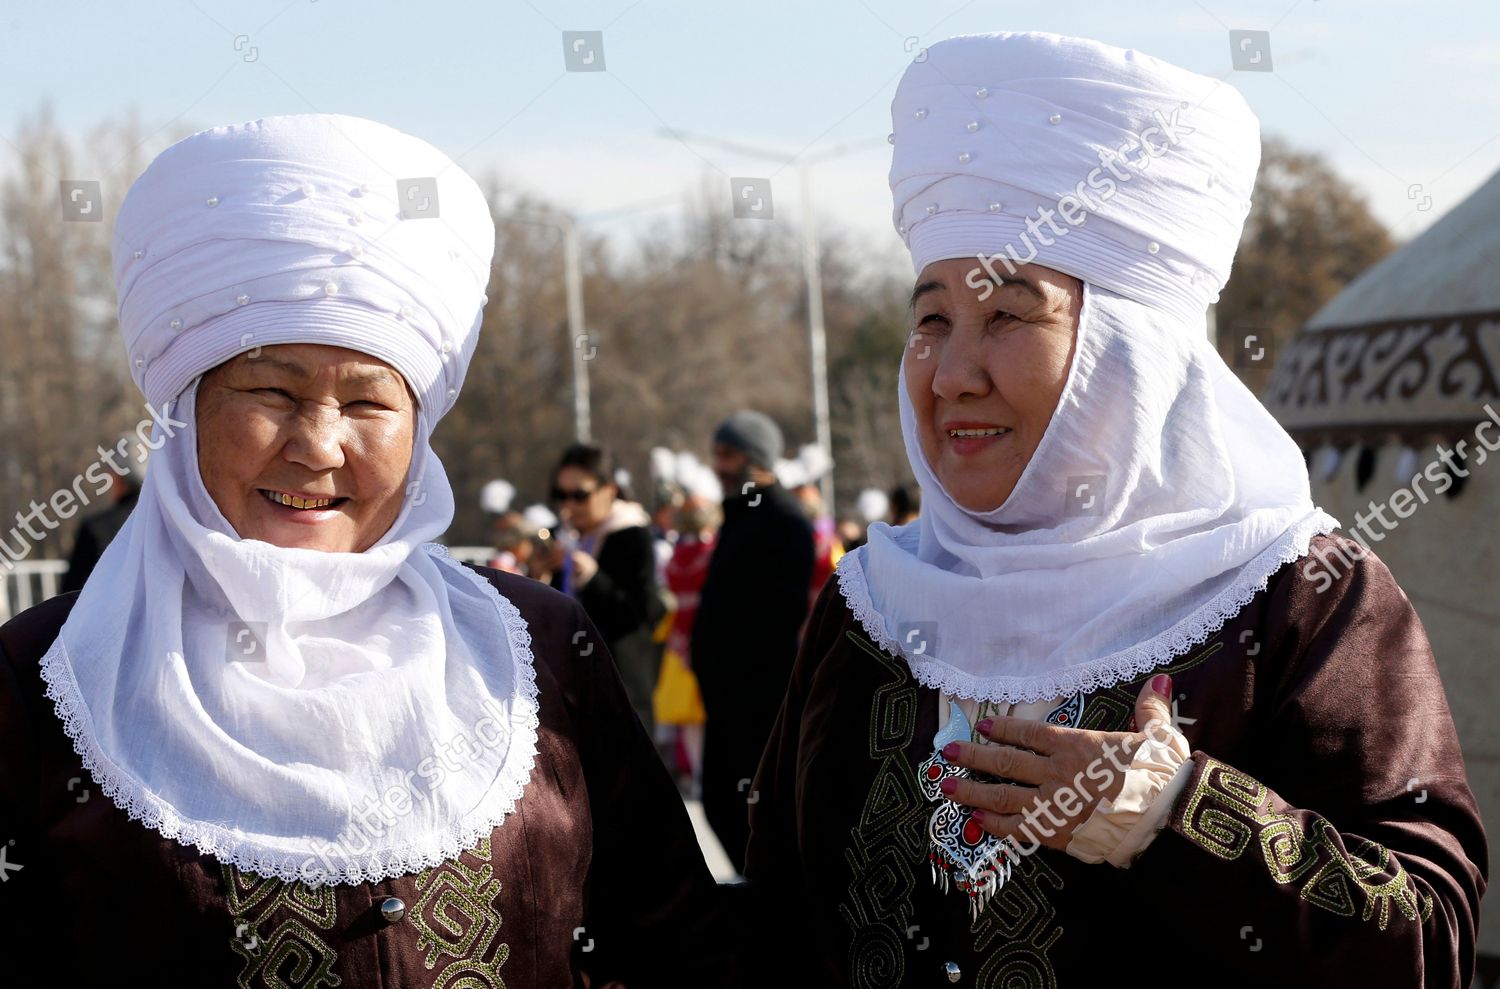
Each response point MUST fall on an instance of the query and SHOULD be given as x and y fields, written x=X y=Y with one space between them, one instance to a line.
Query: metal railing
x=27 y=583
x=31 y=582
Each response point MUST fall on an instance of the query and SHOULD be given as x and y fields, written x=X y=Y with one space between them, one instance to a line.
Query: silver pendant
x=962 y=854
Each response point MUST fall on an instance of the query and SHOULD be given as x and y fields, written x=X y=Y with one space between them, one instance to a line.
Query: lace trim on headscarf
x=1106 y=671
x=230 y=846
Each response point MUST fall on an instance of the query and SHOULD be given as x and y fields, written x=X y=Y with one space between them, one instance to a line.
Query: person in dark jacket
x=745 y=635
x=95 y=531
x=611 y=567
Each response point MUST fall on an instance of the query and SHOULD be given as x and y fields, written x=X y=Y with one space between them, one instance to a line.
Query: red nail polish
x=978 y=816
x=951 y=750
x=985 y=726
x=948 y=785
x=1161 y=685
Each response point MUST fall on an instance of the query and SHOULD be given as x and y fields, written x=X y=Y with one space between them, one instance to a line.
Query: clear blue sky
x=1394 y=93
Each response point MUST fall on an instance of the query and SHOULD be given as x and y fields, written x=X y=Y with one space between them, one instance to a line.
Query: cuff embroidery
x=1228 y=811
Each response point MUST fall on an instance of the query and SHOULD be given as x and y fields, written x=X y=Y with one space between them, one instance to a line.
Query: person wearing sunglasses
x=609 y=565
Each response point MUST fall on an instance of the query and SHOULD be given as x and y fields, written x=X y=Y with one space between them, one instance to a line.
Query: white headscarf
x=314 y=716
x=1162 y=496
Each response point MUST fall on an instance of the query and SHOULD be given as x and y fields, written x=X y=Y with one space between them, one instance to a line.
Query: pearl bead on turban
x=991 y=130
x=310 y=228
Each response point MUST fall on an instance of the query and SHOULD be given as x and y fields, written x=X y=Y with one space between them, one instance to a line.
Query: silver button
x=392 y=909
x=951 y=968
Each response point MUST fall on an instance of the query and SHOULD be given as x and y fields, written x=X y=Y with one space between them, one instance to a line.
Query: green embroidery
x=1229 y=811
x=283 y=930
x=890 y=835
x=1017 y=931
x=456 y=915
x=293 y=953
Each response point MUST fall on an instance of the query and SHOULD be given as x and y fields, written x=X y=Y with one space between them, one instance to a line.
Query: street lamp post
x=812 y=276
x=577 y=335
x=573 y=276
x=816 y=339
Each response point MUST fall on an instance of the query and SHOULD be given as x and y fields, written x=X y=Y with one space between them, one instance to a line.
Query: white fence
x=30 y=582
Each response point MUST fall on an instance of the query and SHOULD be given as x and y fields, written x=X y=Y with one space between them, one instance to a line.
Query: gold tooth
x=292 y=501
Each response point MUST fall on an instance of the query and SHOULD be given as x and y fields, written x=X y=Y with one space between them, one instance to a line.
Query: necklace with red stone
x=962 y=854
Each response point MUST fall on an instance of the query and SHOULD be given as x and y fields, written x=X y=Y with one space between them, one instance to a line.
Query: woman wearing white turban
x=316 y=750
x=1117 y=695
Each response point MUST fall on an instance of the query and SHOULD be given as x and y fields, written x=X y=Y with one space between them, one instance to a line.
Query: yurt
x=1393 y=391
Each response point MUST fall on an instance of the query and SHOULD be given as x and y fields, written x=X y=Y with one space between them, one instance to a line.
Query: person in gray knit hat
x=754 y=434
x=745 y=635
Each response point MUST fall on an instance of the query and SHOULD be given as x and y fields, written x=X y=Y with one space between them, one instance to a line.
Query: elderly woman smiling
x=1083 y=712
x=316 y=750
x=271 y=422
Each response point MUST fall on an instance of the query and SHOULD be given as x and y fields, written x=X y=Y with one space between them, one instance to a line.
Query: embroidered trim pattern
x=227 y=845
x=1229 y=811
x=456 y=918
x=456 y=922
x=1105 y=671
x=1018 y=928
x=890 y=835
x=281 y=928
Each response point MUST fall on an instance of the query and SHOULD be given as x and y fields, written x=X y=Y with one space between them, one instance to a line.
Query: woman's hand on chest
x=1059 y=774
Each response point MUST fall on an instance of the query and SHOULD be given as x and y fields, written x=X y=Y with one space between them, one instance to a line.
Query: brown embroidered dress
x=1327 y=835
x=596 y=869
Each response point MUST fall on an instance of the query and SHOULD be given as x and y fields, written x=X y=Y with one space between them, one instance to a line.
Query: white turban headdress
x=313 y=716
x=1162 y=495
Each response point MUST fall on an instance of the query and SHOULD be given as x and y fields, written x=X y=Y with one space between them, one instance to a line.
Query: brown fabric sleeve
x=1351 y=851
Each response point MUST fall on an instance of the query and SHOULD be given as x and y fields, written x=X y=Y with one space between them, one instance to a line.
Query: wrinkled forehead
x=320 y=364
